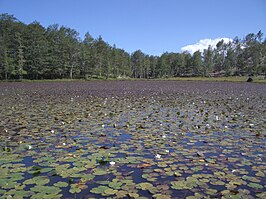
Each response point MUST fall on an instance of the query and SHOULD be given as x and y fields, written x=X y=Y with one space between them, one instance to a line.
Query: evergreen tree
x=36 y=50
x=138 y=63
x=197 y=64
x=20 y=60
x=208 y=61
x=88 y=56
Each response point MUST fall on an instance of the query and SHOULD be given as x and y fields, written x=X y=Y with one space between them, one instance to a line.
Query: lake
x=132 y=139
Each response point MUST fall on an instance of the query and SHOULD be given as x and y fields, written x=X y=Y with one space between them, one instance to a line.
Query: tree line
x=35 y=52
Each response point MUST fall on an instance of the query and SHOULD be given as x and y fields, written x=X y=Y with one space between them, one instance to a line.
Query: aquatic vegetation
x=159 y=139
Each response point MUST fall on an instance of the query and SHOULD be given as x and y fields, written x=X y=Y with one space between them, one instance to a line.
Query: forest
x=35 y=52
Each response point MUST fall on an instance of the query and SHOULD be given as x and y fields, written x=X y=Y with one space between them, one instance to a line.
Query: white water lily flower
x=52 y=131
x=233 y=171
x=167 y=151
x=112 y=163
x=29 y=147
x=158 y=156
x=64 y=143
x=164 y=136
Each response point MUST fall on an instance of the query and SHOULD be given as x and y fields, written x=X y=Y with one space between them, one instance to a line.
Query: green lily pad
x=17 y=176
x=133 y=195
x=109 y=192
x=99 y=172
x=74 y=189
x=61 y=184
x=99 y=190
x=179 y=185
x=250 y=178
x=39 y=180
x=121 y=193
x=255 y=185
x=144 y=186
x=115 y=185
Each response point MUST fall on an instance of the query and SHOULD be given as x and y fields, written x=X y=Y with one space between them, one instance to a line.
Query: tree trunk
x=71 y=71
x=20 y=77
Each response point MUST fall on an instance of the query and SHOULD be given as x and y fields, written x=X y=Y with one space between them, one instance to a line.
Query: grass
x=45 y=80
x=257 y=79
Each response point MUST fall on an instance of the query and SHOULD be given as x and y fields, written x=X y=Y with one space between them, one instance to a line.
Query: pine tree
x=20 y=57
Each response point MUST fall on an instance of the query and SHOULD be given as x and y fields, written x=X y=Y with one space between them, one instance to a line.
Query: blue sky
x=154 y=26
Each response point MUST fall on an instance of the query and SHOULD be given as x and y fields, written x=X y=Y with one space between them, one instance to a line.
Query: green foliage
x=56 y=52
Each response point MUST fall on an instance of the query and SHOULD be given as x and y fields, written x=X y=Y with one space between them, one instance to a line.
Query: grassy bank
x=258 y=79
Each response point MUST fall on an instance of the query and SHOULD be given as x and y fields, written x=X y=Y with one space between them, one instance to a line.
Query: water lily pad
x=121 y=193
x=17 y=176
x=255 y=185
x=61 y=184
x=115 y=185
x=260 y=174
x=179 y=185
x=250 y=178
x=109 y=192
x=39 y=180
x=99 y=190
x=144 y=186
x=99 y=172
x=74 y=189
x=133 y=195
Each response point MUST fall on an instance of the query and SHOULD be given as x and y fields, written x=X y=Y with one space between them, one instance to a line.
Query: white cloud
x=203 y=44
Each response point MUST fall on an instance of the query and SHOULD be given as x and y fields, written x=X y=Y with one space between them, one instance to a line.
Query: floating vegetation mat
x=126 y=139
